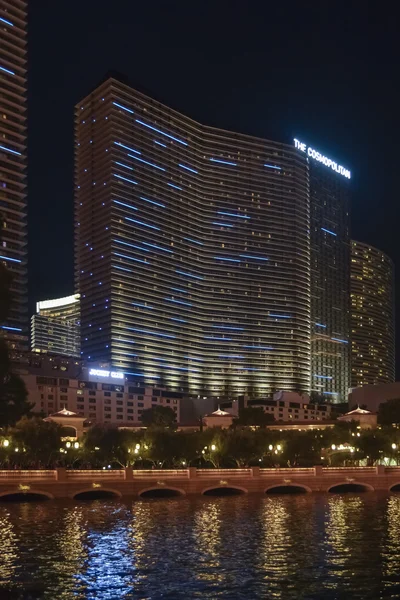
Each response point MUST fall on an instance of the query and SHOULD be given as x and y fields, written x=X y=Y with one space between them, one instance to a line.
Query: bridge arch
x=224 y=490
x=28 y=495
x=343 y=487
x=91 y=493
x=161 y=492
x=288 y=488
x=395 y=487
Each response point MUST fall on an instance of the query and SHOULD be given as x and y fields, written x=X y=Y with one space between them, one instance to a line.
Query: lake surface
x=243 y=547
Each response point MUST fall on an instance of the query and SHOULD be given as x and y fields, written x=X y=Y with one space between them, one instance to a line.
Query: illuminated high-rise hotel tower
x=13 y=209
x=192 y=248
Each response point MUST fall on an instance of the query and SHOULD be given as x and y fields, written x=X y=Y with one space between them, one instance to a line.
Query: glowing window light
x=127 y=148
x=122 y=165
x=273 y=167
x=320 y=325
x=161 y=132
x=280 y=316
x=188 y=274
x=222 y=224
x=142 y=305
x=152 y=202
x=178 y=301
x=175 y=186
x=10 y=328
x=146 y=162
x=141 y=223
x=9 y=150
x=125 y=179
x=227 y=214
x=7 y=71
x=327 y=231
x=322 y=376
x=223 y=162
x=126 y=205
x=226 y=258
x=160 y=144
x=158 y=247
x=187 y=168
x=6 y=22
x=339 y=340
x=193 y=241
x=131 y=245
x=131 y=258
x=255 y=257
x=151 y=332
x=10 y=259
x=124 y=108
x=227 y=327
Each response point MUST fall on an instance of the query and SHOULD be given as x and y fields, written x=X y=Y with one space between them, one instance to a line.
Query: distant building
x=372 y=316
x=365 y=418
x=55 y=328
x=72 y=424
x=98 y=394
x=219 y=418
x=13 y=159
x=291 y=406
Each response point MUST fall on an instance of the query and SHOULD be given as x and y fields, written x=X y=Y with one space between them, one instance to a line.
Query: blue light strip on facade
x=125 y=179
x=6 y=22
x=141 y=223
x=7 y=71
x=127 y=148
x=131 y=258
x=273 y=167
x=322 y=376
x=225 y=258
x=126 y=205
x=10 y=259
x=194 y=241
x=142 y=305
x=122 y=268
x=280 y=316
x=124 y=108
x=222 y=224
x=122 y=165
x=10 y=328
x=331 y=393
x=227 y=214
x=160 y=144
x=223 y=162
x=259 y=347
x=158 y=247
x=187 y=168
x=188 y=274
x=131 y=245
x=180 y=290
x=151 y=332
x=152 y=202
x=226 y=327
x=339 y=340
x=231 y=356
x=178 y=320
x=327 y=231
x=146 y=162
x=178 y=301
x=174 y=186
x=320 y=325
x=9 y=150
x=161 y=132
x=194 y=358
x=255 y=257
x=210 y=337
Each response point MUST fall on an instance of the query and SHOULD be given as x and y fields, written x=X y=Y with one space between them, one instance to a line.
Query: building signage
x=321 y=158
x=102 y=373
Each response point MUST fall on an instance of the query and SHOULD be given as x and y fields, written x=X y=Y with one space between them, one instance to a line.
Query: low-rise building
x=365 y=418
x=291 y=406
x=218 y=418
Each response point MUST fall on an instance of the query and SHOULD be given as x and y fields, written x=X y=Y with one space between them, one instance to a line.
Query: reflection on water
x=282 y=547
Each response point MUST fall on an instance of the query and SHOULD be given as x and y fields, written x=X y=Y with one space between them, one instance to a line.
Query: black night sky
x=320 y=71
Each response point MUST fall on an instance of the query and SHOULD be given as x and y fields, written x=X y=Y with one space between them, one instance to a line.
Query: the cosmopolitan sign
x=321 y=158
x=102 y=373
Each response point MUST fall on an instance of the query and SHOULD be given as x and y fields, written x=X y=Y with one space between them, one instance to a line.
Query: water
x=244 y=547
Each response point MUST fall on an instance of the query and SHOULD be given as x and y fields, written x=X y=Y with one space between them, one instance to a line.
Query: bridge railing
x=89 y=474
x=163 y=473
x=218 y=473
x=298 y=471
x=31 y=474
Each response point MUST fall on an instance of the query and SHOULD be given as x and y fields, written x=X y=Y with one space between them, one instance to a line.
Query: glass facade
x=55 y=327
x=192 y=248
x=13 y=208
x=372 y=316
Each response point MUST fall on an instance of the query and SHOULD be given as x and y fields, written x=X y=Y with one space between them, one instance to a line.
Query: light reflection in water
x=207 y=539
x=391 y=547
x=8 y=548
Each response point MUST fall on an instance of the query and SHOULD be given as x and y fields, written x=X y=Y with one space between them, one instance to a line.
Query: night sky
x=323 y=72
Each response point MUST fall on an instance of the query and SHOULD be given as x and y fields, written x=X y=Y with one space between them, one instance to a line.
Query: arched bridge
x=62 y=483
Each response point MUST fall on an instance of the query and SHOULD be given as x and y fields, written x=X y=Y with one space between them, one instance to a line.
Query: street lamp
x=333 y=446
x=68 y=445
x=279 y=447
x=6 y=443
x=394 y=446
x=76 y=445
x=213 y=447
x=270 y=447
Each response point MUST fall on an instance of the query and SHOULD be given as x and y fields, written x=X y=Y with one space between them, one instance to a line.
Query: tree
x=13 y=394
x=159 y=416
x=106 y=445
x=389 y=412
x=245 y=447
x=254 y=416
x=40 y=439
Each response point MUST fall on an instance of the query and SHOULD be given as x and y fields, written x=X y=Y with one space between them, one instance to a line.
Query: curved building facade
x=192 y=248
x=372 y=316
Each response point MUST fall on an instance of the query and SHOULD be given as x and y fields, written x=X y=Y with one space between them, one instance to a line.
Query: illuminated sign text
x=101 y=373
x=321 y=158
